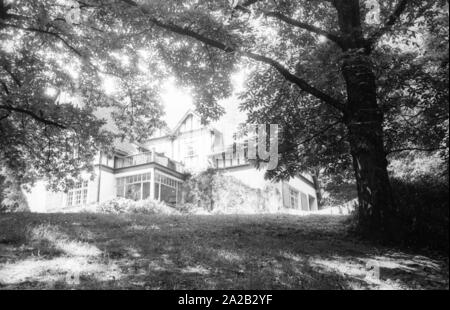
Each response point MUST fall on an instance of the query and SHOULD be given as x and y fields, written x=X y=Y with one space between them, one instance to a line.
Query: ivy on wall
x=218 y=193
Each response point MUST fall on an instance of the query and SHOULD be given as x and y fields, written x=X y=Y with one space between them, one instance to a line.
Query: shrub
x=122 y=205
x=198 y=190
x=423 y=211
x=338 y=194
x=418 y=167
x=12 y=198
x=216 y=193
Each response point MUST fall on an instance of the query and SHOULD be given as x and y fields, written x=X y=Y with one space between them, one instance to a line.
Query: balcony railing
x=171 y=164
x=134 y=160
x=223 y=160
x=147 y=158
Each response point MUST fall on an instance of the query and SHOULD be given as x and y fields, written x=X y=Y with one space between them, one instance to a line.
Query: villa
x=157 y=169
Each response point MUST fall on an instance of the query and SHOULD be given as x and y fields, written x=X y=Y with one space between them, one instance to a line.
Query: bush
x=12 y=199
x=338 y=194
x=423 y=212
x=418 y=167
x=198 y=191
x=122 y=205
x=215 y=193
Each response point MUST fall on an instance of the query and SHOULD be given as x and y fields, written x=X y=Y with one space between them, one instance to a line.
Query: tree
x=52 y=69
x=12 y=198
x=285 y=36
x=320 y=72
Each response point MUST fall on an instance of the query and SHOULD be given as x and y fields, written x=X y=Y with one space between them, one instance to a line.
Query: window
x=293 y=198
x=190 y=152
x=304 y=201
x=77 y=196
x=69 y=198
x=134 y=187
x=138 y=187
x=167 y=189
x=312 y=203
x=157 y=185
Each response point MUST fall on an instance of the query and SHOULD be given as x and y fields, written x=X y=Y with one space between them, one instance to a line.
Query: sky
x=177 y=101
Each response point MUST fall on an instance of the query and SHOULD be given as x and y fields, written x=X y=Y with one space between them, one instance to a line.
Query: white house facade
x=158 y=168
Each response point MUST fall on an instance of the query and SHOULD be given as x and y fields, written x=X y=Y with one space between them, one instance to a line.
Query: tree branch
x=5 y=88
x=5 y=116
x=45 y=32
x=390 y=22
x=292 y=146
x=15 y=79
x=33 y=115
x=244 y=8
x=321 y=132
x=85 y=59
x=417 y=149
x=336 y=39
x=302 y=84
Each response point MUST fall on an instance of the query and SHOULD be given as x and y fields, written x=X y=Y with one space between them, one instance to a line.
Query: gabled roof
x=123 y=146
x=161 y=133
x=176 y=129
x=186 y=115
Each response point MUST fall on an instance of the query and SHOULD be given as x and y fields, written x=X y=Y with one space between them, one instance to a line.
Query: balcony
x=147 y=158
x=228 y=159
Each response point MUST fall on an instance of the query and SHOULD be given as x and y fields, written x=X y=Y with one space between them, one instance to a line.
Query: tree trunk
x=318 y=187
x=364 y=120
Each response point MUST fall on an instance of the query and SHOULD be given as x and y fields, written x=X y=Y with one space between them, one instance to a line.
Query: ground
x=97 y=251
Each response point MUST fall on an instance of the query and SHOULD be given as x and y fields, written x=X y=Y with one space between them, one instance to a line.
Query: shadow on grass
x=92 y=251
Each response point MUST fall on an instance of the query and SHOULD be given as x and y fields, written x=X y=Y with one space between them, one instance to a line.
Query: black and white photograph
x=224 y=150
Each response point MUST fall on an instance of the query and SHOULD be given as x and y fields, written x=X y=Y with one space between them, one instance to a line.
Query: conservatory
x=161 y=187
x=148 y=175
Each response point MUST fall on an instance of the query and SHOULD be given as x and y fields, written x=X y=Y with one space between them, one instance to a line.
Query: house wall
x=54 y=201
x=42 y=200
x=104 y=160
x=36 y=197
x=162 y=145
x=254 y=178
x=303 y=186
x=307 y=193
x=190 y=136
x=249 y=176
x=107 y=186
x=200 y=143
x=132 y=171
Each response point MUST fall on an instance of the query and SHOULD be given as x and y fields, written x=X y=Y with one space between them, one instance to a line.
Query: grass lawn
x=93 y=251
